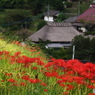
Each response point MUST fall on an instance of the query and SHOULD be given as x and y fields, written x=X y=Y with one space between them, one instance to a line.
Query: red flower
x=62 y=85
x=25 y=77
x=23 y=84
x=40 y=62
x=17 y=54
x=91 y=86
x=48 y=64
x=8 y=74
x=35 y=68
x=45 y=90
x=51 y=74
x=34 y=80
x=11 y=80
x=70 y=87
x=93 y=81
x=2 y=80
x=43 y=84
x=1 y=52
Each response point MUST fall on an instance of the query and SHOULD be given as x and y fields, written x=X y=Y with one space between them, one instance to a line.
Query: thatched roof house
x=56 y=33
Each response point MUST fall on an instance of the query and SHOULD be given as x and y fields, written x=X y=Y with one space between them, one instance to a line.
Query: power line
x=21 y=20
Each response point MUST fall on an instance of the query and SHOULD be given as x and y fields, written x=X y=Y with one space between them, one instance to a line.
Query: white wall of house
x=50 y=18
x=83 y=29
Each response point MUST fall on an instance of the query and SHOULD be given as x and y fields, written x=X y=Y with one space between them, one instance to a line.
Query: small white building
x=51 y=15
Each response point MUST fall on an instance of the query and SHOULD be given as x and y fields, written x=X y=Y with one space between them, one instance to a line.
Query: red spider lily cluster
x=68 y=77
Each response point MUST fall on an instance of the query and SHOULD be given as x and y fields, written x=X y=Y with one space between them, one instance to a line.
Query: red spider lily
x=62 y=85
x=43 y=84
x=22 y=84
x=51 y=74
x=70 y=87
x=70 y=72
x=40 y=62
x=1 y=52
x=2 y=80
x=45 y=90
x=11 y=80
x=35 y=68
x=12 y=59
x=91 y=86
x=17 y=54
x=55 y=67
x=61 y=81
x=34 y=80
x=48 y=64
x=27 y=65
x=8 y=74
x=93 y=81
x=16 y=42
x=26 y=60
x=59 y=62
x=25 y=77
x=6 y=52
x=78 y=79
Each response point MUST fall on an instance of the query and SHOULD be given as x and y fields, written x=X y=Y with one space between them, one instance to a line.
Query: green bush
x=41 y=24
x=60 y=17
x=68 y=4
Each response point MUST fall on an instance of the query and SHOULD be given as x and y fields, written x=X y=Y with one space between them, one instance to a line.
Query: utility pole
x=73 y=55
x=48 y=12
x=79 y=8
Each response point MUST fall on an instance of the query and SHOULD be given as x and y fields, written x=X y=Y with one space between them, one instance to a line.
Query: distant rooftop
x=51 y=12
x=71 y=19
x=88 y=16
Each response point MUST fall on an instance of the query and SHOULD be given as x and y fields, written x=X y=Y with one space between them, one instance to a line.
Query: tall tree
x=82 y=47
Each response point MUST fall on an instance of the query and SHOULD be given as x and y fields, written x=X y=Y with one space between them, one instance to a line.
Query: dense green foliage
x=16 y=19
x=61 y=17
x=84 y=48
x=41 y=24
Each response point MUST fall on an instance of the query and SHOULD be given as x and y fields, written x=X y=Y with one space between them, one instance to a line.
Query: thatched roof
x=55 y=32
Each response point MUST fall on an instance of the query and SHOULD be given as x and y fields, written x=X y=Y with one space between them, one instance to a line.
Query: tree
x=1 y=6
x=82 y=47
x=60 y=17
x=36 y=6
x=92 y=50
x=16 y=19
x=41 y=24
